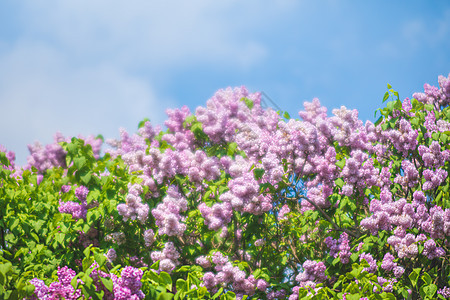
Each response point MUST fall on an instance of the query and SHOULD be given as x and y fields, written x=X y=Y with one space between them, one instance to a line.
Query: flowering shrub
x=236 y=201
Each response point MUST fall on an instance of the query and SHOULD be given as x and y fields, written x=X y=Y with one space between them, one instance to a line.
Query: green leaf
x=165 y=277
x=341 y=163
x=353 y=297
x=107 y=282
x=414 y=276
x=379 y=121
x=5 y=268
x=430 y=290
x=248 y=102
x=86 y=177
x=217 y=294
x=181 y=285
x=232 y=148
x=79 y=162
x=339 y=182
x=100 y=259
x=142 y=123
x=426 y=278
x=258 y=173
x=165 y=296
x=228 y=296
x=385 y=97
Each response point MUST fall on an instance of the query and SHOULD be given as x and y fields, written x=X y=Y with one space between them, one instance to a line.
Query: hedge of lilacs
x=237 y=201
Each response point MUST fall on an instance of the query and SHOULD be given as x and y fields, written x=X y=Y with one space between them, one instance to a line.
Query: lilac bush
x=238 y=201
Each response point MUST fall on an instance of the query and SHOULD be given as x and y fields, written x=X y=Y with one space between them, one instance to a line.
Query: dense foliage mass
x=237 y=201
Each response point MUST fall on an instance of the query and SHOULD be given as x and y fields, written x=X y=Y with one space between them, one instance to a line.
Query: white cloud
x=93 y=66
x=42 y=93
x=153 y=34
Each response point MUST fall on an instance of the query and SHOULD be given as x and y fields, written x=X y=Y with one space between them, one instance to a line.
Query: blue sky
x=91 y=67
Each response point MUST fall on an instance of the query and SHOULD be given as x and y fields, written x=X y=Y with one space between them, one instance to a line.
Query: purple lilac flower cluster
x=445 y=292
x=168 y=258
x=126 y=287
x=313 y=273
x=167 y=214
x=389 y=265
x=149 y=237
x=61 y=289
x=77 y=210
x=339 y=247
x=179 y=137
x=53 y=155
x=11 y=156
x=370 y=260
x=134 y=208
x=432 y=95
x=227 y=274
x=225 y=112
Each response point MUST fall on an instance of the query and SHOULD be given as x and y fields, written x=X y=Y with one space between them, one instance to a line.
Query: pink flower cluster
x=167 y=214
x=53 y=155
x=128 y=286
x=149 y=237
x=179 y=137
x=59 y=289
x=444 y=292
x=217 y=216
x=389 y=265
x=11 y=156
x=339 y=247
x=225 y=112
x=134 y=208
x=432 y=156
x=227 y=274
x=283 y=211
x=313 y=273
x=432 y=95
x=77 y=210
x=168 y=257
x=370 y=260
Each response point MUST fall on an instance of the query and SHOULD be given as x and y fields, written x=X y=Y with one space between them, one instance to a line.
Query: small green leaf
x=142 y=123
x=248 y=102
x=181 y=285
x=379 y=121
x=217 y=294
x=414 y=276
x=100 y=259
x=258 y=173
x=430 y=290
x=5 y=268
x=165 y=296
x=79 y=162
x=385 y=97
x=339 y=182
x=232 y=148
x=341 y=163
x=426 y=278
x=107 y=282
